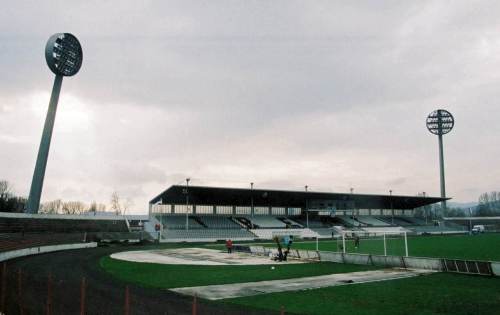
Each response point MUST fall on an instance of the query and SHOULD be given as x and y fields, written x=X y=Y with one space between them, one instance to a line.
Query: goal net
x=389 y=242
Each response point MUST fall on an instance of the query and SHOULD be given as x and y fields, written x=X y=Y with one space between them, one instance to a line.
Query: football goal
x=390 y=242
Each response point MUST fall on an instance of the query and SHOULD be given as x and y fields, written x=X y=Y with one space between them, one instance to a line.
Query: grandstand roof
x=202 y=195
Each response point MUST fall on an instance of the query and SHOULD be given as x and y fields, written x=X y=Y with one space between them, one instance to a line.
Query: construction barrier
x=438 y=264
x=387 y=261
x=357 y=259
x=308 y=254
x=468 y=266
x=332 y=256
x=495 y=268
x=423 y=263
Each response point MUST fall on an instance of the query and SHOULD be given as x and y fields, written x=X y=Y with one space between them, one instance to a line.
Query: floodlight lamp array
x=63 y=54
x=440 y=122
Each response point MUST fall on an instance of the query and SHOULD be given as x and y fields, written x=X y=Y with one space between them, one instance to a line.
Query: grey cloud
x=281 y=93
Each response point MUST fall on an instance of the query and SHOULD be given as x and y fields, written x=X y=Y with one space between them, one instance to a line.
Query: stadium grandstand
x=198 y=213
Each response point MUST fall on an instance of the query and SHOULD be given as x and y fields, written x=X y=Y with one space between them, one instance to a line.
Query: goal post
x=393 y=242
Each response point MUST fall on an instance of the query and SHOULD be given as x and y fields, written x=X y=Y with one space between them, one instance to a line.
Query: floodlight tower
x=63 y=54
x=187 y=203
x=440 y=122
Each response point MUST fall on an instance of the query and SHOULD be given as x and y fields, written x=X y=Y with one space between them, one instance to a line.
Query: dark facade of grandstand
x=198 y=195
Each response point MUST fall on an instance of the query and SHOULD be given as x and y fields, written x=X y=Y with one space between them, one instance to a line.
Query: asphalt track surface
x=103 y=295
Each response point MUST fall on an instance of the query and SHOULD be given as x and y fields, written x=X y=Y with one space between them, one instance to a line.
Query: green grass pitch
x=436 y=294
x=176 y=276
x=425 y=295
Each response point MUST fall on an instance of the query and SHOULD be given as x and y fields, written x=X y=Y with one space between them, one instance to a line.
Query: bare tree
x=127 y=205
x=115 y=203
x=489 y=204
x=73 y=207
x=93 y=207
x=8 y=201
x=5 y=190
x=52 y=207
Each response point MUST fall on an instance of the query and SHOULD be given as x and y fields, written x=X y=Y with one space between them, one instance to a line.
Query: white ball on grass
x=272 y=267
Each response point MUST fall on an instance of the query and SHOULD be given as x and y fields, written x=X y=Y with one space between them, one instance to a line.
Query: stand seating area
x=60 y=225
x=13 y=241
x=266 y=222
x=371 y=221
x=179 y=222
x=212 y=227
x=19 y=230
x=218 y=222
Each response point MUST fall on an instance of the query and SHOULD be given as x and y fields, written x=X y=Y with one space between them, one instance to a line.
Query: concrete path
x=225 y=291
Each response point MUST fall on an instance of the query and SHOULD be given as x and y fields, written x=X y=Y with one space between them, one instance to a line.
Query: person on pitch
x=356 y=241
x=229 y=246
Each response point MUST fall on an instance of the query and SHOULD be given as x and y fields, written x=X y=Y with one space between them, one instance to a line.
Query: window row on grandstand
x=223 y=210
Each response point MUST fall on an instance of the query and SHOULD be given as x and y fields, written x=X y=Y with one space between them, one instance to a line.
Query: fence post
x=127 y=301
x=406 y=246
x=282 y=310
x=194 y=305
x=20 y=291
x=82 y=296
x=4 y=287
x=385 y=247
x=49 y=294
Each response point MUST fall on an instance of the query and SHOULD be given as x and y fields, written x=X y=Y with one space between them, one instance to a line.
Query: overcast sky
x=282 y=93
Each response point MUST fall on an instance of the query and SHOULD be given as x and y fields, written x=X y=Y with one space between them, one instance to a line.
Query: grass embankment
x=174 y=276
x=474 y=247
x=433 y=294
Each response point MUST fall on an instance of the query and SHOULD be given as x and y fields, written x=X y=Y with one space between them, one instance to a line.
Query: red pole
x=49 y=294
x=20 y=291
x=127 y=301
x=282 y=310
x=82 y=297
x=4 y=285
x=194 y=305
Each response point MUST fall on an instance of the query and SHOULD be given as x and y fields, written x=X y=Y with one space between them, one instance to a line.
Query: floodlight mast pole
x=441 y=174
x=307 y=208
x=251 y=200
x=441 y=122
x=43 y=151
x=187 y=203
x=63 y=54
x=392 y=208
